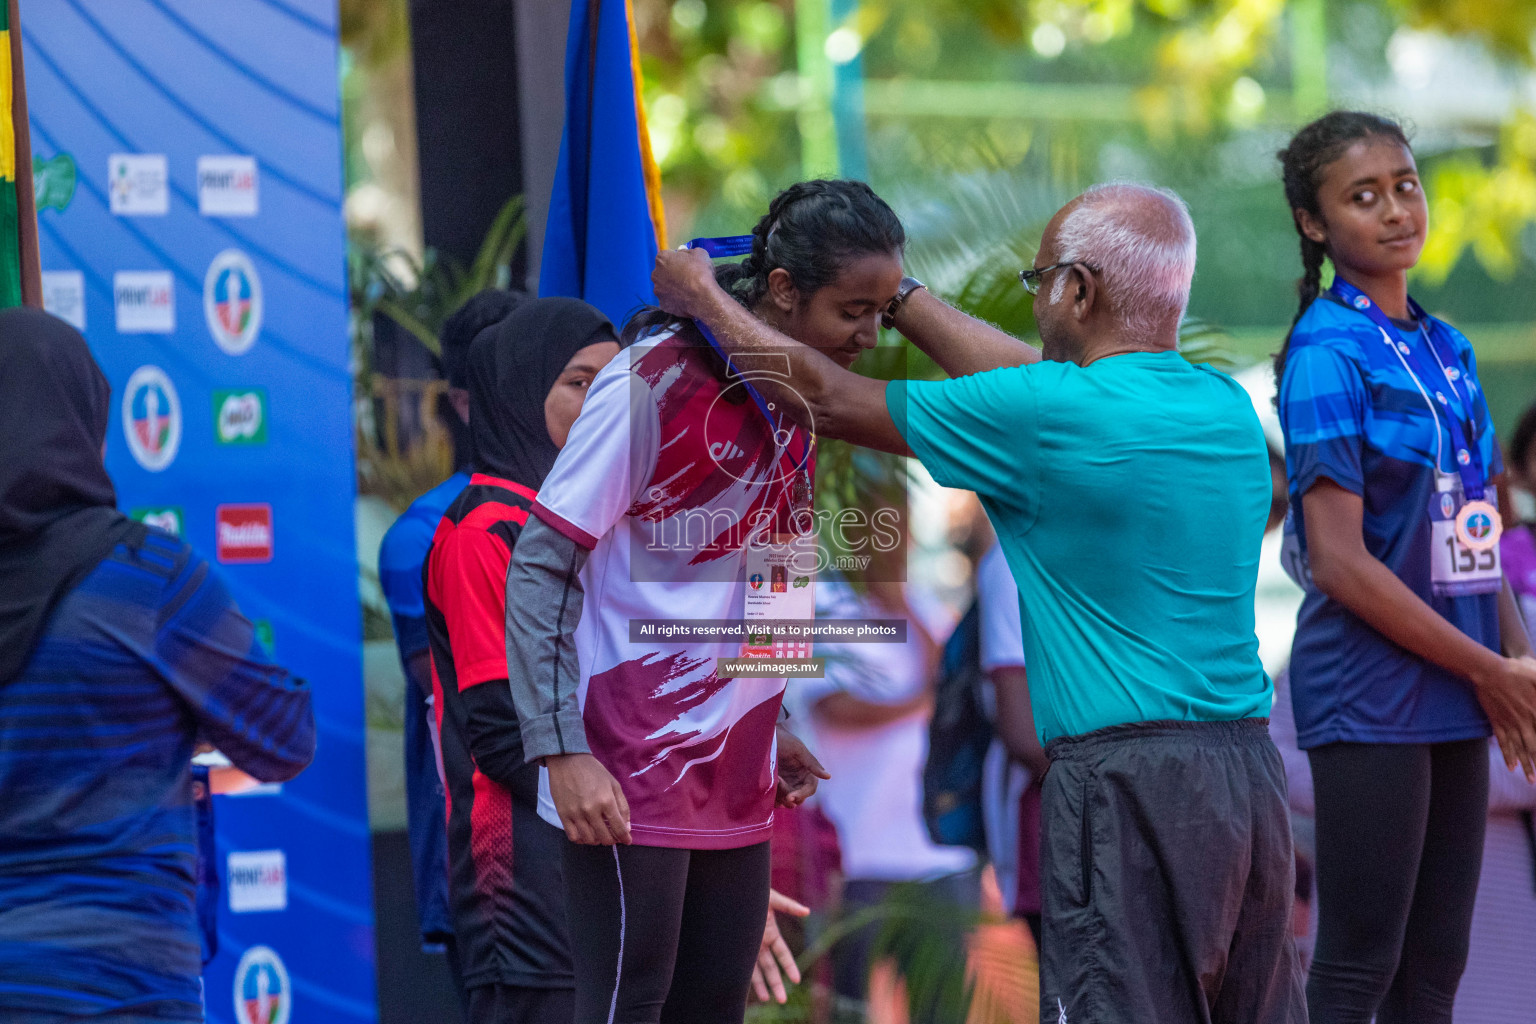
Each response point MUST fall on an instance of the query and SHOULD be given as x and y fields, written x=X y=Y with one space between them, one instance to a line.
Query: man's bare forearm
x=958 y=342
x=841 y=403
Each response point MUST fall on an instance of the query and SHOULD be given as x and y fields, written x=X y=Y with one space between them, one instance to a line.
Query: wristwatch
x=908 y=286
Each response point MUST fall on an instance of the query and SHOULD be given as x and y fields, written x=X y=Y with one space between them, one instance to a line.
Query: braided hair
x=1301 y=164
x=811 y=230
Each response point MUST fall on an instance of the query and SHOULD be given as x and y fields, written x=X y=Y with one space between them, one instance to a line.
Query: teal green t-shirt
x=1130 y=498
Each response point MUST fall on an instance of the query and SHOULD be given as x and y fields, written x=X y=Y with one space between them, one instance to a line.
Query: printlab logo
x=138 y=184
x=263 y=994
x=227 y=186
x=170 y=519
x=145 y=301
x=64 y=296
x=232 y=301
x=151 y=418
x=258 y=881
x=243 y=533
x=240 y=417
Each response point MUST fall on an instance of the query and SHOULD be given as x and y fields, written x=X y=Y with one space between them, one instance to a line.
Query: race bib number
x=1463 y=546
x=781 y=585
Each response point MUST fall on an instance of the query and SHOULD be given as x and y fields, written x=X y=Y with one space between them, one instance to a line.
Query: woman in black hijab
x=527 y=378
x=119 y=648
x=58 y=512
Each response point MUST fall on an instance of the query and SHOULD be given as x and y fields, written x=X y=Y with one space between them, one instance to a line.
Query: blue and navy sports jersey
x=98 y=836
x=401 y=557
x=1352 y=413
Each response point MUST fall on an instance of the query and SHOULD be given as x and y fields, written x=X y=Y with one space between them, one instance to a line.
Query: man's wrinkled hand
x=684 y=279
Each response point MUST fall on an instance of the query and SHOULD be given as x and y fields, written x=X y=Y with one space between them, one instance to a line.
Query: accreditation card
x=781 y=584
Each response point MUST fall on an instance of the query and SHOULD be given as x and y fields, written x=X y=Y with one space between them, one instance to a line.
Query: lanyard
x=722 y=248
x=1469 y=457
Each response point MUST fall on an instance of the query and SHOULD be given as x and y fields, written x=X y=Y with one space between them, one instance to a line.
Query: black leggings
x=663 y=935
x=1399 y=850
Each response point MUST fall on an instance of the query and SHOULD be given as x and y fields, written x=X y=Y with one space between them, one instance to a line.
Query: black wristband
x=908 y=286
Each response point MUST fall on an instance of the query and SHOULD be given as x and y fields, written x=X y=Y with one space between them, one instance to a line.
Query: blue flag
x=605 y=218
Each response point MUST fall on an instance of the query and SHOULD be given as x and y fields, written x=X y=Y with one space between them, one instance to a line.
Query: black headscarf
x=511 y=369
x=58 y=512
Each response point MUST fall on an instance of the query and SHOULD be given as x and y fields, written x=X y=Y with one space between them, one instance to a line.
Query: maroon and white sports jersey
x=667 y=470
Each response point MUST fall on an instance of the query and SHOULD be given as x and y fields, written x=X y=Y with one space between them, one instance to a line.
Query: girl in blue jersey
x=1408 y=648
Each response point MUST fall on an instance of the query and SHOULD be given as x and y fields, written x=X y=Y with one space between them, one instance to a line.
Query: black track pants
x=1399 y=850
x=1167 y=875
x=664 y=936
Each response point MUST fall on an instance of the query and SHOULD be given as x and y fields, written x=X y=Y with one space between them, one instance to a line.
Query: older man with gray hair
x=1129 y=490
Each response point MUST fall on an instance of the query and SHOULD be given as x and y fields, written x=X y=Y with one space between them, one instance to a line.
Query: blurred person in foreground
x=401 y=556
x=1168 y=872
x=869 y=728
x=120 y=650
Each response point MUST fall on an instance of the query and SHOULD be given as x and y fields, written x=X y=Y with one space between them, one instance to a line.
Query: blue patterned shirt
x=1352 y=413
x=98 y=842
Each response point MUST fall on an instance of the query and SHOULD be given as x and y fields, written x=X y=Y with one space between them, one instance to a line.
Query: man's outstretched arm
x=841 y=403
x=958 y=342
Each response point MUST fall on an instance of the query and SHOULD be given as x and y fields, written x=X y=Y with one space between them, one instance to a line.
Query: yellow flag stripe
x=647 y=158
x=7 y=100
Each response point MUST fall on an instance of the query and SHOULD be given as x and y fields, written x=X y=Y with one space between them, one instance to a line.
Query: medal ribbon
x=1471 y=470
x=740 y=245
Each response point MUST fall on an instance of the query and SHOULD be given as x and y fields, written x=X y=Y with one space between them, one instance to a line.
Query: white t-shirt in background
x=875 y=795
x=1003 y=780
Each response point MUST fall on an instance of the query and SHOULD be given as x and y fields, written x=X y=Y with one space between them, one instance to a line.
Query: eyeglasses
x=1030 y=278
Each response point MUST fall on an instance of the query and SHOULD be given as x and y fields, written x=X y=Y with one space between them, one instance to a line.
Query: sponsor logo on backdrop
x=243 y=533
x=53 y=182
x=232 y=301
x=263 y=994
x=263 y=629
x=169 y=519
x=138 y=184
x=64 y=296
x=226 y=186
x=145 y=301
x=257 y=880
x=151 y=418
x=240 y=417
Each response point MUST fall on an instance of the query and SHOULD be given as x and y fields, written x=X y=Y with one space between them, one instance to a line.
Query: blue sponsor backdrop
x=116 y=85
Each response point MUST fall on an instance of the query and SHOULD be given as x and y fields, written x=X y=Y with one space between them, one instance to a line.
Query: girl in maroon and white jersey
x=664 y=773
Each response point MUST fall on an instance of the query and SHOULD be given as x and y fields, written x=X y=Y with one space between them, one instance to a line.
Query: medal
x=800 y=491
x=1479 y=526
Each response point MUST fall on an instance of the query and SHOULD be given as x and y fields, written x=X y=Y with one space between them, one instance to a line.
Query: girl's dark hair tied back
x=1301 y=168
x=811 y=230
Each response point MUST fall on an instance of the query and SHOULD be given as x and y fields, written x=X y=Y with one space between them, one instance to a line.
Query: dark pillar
x=541 y=29
x=467 y=124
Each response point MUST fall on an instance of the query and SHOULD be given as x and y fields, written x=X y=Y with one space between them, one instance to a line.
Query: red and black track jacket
x=504 y=876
